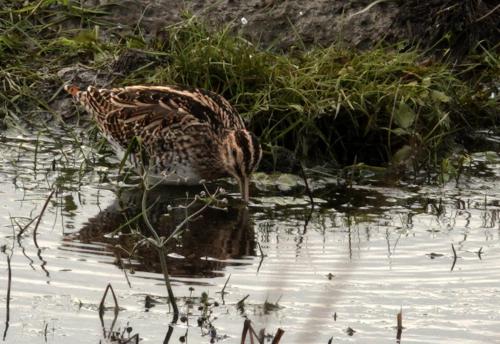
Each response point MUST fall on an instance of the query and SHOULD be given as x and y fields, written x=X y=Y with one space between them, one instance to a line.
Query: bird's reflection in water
x=200 y=250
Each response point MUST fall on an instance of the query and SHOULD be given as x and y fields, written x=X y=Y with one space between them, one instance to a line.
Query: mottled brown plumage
x=186 y=135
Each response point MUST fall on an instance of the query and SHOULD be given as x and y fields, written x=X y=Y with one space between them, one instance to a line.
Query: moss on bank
x=325 y=104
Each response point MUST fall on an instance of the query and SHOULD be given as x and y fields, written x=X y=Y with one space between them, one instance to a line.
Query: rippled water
x=343 y=270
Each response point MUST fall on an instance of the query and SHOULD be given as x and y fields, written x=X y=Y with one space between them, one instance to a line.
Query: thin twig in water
x=277 y=336
x=23 y=250
x=454 y=257
x=225 y=284
x=480 y=252
x=246 y=327
x=169 y=334
x=22 y=229
x=171 y=297
x=45 y=332
x=240 y=305
x=399 y=320
x=101 y=305
x=41 y=215
x=9 y=283
x=253 y=335
x=160 y=243
x=121 y=266
x=161 y=253
x=134 y=338
x=260 y=249
x=306 y=183
x=306 y=224
x=262 y=256
x=223 y=291
x=35 y=241
x=7 y=301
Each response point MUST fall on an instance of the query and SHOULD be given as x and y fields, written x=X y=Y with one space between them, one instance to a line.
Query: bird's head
x=240 y=156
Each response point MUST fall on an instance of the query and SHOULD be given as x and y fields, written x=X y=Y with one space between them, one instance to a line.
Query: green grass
x=326 y=104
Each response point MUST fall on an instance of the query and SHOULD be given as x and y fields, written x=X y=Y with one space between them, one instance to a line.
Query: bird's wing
x=205 y=106
x=142 y=111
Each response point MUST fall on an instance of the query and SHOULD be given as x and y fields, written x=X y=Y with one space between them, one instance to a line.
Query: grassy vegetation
x=327 y=104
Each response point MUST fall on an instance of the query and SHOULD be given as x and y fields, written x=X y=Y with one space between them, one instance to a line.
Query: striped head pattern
x=240 y=155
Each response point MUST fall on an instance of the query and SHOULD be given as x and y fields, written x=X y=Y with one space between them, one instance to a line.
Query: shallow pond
x=342 y=271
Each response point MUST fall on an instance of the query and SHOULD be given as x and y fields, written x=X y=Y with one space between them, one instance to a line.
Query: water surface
x=343 y=270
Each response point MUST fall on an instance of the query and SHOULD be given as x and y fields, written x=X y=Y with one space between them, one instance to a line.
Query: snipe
x=186 y=135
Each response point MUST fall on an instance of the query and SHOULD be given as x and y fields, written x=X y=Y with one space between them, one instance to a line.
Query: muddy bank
x=283 y=24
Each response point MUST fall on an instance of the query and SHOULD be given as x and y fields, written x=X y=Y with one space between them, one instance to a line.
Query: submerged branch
x=161 y=252
x=7 y=300
x=41 y=215
x=102 y=308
